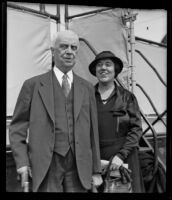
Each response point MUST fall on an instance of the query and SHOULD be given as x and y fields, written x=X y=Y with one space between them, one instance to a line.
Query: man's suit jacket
x=35 y=110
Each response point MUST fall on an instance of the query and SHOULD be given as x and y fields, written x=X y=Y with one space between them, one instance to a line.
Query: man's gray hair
x=57 y=35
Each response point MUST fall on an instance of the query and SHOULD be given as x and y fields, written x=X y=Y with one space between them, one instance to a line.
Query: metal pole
x=66 y=17
x=130 y=17
x=42 y=8
x=58 y=15
x=132 y=45
x=89 y=13
x=23 y=8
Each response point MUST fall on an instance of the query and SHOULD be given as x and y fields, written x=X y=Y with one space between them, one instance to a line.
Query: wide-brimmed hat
x=105 y=55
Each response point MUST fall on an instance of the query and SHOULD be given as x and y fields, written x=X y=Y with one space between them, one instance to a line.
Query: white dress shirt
x=59 y=75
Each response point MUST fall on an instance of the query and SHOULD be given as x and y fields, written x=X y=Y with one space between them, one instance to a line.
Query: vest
x=64 y=119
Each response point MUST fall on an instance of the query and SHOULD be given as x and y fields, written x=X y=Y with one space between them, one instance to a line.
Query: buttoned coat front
x=34 y=116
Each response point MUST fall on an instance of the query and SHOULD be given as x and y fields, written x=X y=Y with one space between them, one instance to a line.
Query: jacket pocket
x=122 y=122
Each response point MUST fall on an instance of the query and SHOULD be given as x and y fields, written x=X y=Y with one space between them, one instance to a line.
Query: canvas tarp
x=146 y=77
x=106 y=31
x=28 y=51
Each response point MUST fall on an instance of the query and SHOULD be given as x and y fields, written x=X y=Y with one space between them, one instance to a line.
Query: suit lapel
x=78 y=95
x=46 y=93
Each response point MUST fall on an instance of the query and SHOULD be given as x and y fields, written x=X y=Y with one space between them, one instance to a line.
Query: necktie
x=65 y=85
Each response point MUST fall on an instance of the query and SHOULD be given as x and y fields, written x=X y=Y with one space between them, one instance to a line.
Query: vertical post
x=66 y=17
x=132 y=42
x=132 y=18
x=58 y=15
x=42 y=7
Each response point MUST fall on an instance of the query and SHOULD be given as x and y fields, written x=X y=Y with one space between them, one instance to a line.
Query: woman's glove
x=125 y=174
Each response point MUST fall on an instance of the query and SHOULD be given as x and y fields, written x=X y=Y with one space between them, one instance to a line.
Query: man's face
x=65 y=52
x=105 y=70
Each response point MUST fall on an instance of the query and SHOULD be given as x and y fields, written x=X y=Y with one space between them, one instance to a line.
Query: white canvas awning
x=28 y=51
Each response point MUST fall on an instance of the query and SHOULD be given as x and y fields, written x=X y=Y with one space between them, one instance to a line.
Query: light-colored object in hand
x=104 y=163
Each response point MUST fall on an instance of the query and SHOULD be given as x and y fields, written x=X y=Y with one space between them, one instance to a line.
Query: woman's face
x=105 y=70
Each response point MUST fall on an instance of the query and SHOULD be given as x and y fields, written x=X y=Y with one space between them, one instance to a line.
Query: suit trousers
x=62 y=175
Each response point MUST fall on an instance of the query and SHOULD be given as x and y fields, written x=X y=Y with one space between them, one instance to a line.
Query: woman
x=118 y=117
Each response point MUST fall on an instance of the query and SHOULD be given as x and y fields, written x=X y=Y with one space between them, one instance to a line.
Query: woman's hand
x=116 y=163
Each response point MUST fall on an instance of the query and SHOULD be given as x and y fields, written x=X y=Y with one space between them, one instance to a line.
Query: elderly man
x=58 y=109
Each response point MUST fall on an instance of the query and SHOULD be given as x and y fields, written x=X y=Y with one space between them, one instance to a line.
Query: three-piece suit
x=40 y=117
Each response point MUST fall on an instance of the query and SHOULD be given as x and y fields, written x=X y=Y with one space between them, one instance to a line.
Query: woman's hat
x=104 y=55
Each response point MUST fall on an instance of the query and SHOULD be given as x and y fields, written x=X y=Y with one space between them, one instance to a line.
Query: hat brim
x=116 y=60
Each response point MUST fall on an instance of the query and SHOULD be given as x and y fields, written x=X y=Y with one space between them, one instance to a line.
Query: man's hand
x=97 y=180
x=24 y=173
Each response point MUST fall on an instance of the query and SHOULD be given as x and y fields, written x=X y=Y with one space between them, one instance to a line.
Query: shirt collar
x=112 y=94
x=59 y=74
